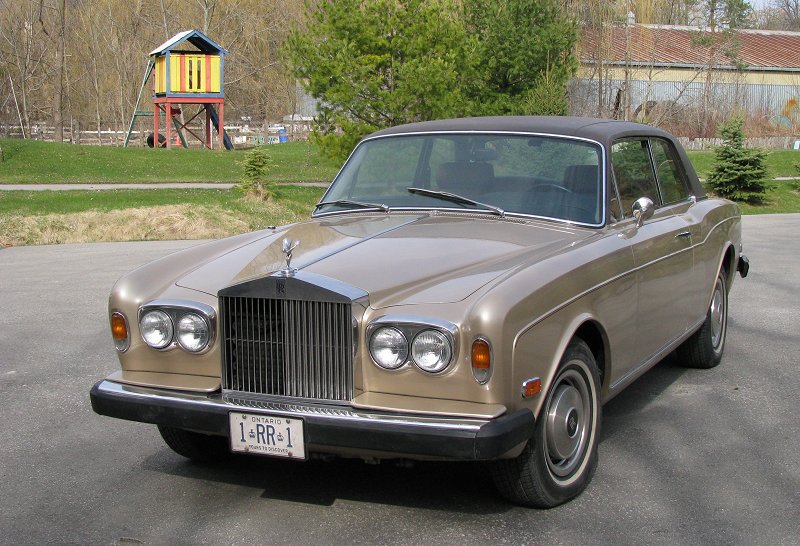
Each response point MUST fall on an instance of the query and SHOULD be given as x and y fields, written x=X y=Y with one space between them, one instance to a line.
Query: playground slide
x=215 y=120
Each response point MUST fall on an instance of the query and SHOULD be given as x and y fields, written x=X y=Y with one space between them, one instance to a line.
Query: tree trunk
x=58 y=76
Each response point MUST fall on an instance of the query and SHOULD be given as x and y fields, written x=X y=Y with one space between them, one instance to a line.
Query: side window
x=670 y=175
x=633 y=172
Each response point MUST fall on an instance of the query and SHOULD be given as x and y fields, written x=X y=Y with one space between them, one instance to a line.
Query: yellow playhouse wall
x=194 y=73
x=161 y=75
x=216 y=74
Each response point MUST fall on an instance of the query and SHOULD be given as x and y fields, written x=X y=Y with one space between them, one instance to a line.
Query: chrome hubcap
x=568 y=420
x=717 y=315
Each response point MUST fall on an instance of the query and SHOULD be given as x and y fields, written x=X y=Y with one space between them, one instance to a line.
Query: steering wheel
x=551 y=187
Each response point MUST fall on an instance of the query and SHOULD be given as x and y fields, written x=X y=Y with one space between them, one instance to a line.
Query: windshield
x=513 y=174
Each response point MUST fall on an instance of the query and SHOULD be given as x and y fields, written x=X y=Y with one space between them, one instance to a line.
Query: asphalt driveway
x=686 y=456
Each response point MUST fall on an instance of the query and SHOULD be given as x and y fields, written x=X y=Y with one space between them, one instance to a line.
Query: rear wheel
x=704 y=348
x=198 y=447
x=560 y=459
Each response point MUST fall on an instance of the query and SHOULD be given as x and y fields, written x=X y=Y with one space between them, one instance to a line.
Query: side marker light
x=531 y=387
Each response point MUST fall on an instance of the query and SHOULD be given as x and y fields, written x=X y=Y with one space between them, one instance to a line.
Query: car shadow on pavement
x=639 y=394
x=448 y=486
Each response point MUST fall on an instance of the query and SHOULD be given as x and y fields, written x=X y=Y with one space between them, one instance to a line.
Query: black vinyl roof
x=601 y=130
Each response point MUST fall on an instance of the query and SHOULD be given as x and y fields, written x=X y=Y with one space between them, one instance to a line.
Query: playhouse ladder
x=136 y=112
x=148 y=113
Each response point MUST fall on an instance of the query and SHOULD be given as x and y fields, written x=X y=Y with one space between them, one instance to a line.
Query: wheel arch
x=584 y=326
x=728 y=263
x=594 y=335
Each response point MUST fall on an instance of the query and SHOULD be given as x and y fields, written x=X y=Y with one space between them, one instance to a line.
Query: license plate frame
x=267 y=434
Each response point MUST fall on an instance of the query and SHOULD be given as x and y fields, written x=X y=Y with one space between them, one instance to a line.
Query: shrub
x=254 y=183
x=738 y=172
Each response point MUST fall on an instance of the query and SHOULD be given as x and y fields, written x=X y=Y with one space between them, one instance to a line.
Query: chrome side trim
x=613 y=279
x=655 y=359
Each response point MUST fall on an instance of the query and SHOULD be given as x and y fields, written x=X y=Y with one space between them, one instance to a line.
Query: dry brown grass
x=166 y=222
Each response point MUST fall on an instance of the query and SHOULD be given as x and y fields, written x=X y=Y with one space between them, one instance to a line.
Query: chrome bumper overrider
x=743 y=266
x=326 y=426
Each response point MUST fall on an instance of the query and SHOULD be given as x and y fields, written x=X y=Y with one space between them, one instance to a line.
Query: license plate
x=267 y=435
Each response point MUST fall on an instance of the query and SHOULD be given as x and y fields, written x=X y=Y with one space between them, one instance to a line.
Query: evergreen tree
x=254 y=182
x=377 y=63
x=739 y=172
x=523 y=58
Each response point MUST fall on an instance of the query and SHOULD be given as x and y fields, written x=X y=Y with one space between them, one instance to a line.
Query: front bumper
x=327 y=427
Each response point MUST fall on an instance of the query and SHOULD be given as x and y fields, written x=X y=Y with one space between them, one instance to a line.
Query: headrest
x=582 y=178
x=461 y=176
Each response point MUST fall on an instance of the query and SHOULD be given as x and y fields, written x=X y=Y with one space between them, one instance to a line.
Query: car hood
x=396 y=259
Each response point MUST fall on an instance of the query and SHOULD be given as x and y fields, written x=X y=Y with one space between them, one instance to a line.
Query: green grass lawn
x=35 y=162
x=779 y=162
x=297 y=199
x=782 y=197
x=82 y=216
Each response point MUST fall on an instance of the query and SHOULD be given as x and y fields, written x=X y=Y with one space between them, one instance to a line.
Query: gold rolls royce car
x=467 y=289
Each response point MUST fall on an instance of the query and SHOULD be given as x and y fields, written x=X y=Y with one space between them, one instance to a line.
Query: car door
x=674 y=188
x=662 y=251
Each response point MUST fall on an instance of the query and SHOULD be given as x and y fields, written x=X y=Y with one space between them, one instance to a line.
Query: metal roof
x=194 y=37
x=680 y=46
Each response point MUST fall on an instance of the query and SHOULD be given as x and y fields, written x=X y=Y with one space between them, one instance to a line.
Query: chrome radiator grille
x=290 y=348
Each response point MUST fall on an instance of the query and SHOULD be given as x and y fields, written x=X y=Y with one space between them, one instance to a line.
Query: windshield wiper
x=460 y=199
x=361 y=204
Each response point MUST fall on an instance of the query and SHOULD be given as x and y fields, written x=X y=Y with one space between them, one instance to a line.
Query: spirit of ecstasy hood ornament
x=288 y=246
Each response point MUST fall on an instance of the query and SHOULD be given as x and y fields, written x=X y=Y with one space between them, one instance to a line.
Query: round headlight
x=156 y=328
x=193 y=334
x=431 y=351
x=388 y=348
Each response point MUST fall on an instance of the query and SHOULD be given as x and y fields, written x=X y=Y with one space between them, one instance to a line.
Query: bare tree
x=207 y=7
x=58 y=70
x=791 y=13
x=83 y=59
x=23 y=47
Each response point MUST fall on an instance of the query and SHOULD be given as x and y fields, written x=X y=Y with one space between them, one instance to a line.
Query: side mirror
x=643 y=209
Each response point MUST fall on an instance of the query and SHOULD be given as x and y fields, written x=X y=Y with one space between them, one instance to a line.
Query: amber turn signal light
x=119 y=327
x=119 y=330
x=481 y=360
x=531 y=387
x=481 y=355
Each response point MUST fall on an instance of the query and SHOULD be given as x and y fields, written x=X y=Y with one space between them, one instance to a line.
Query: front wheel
x=201 y=448
x=560 y=459
x=704 y=348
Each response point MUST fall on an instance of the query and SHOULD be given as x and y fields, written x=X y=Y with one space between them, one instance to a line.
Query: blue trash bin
x=282 y=136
